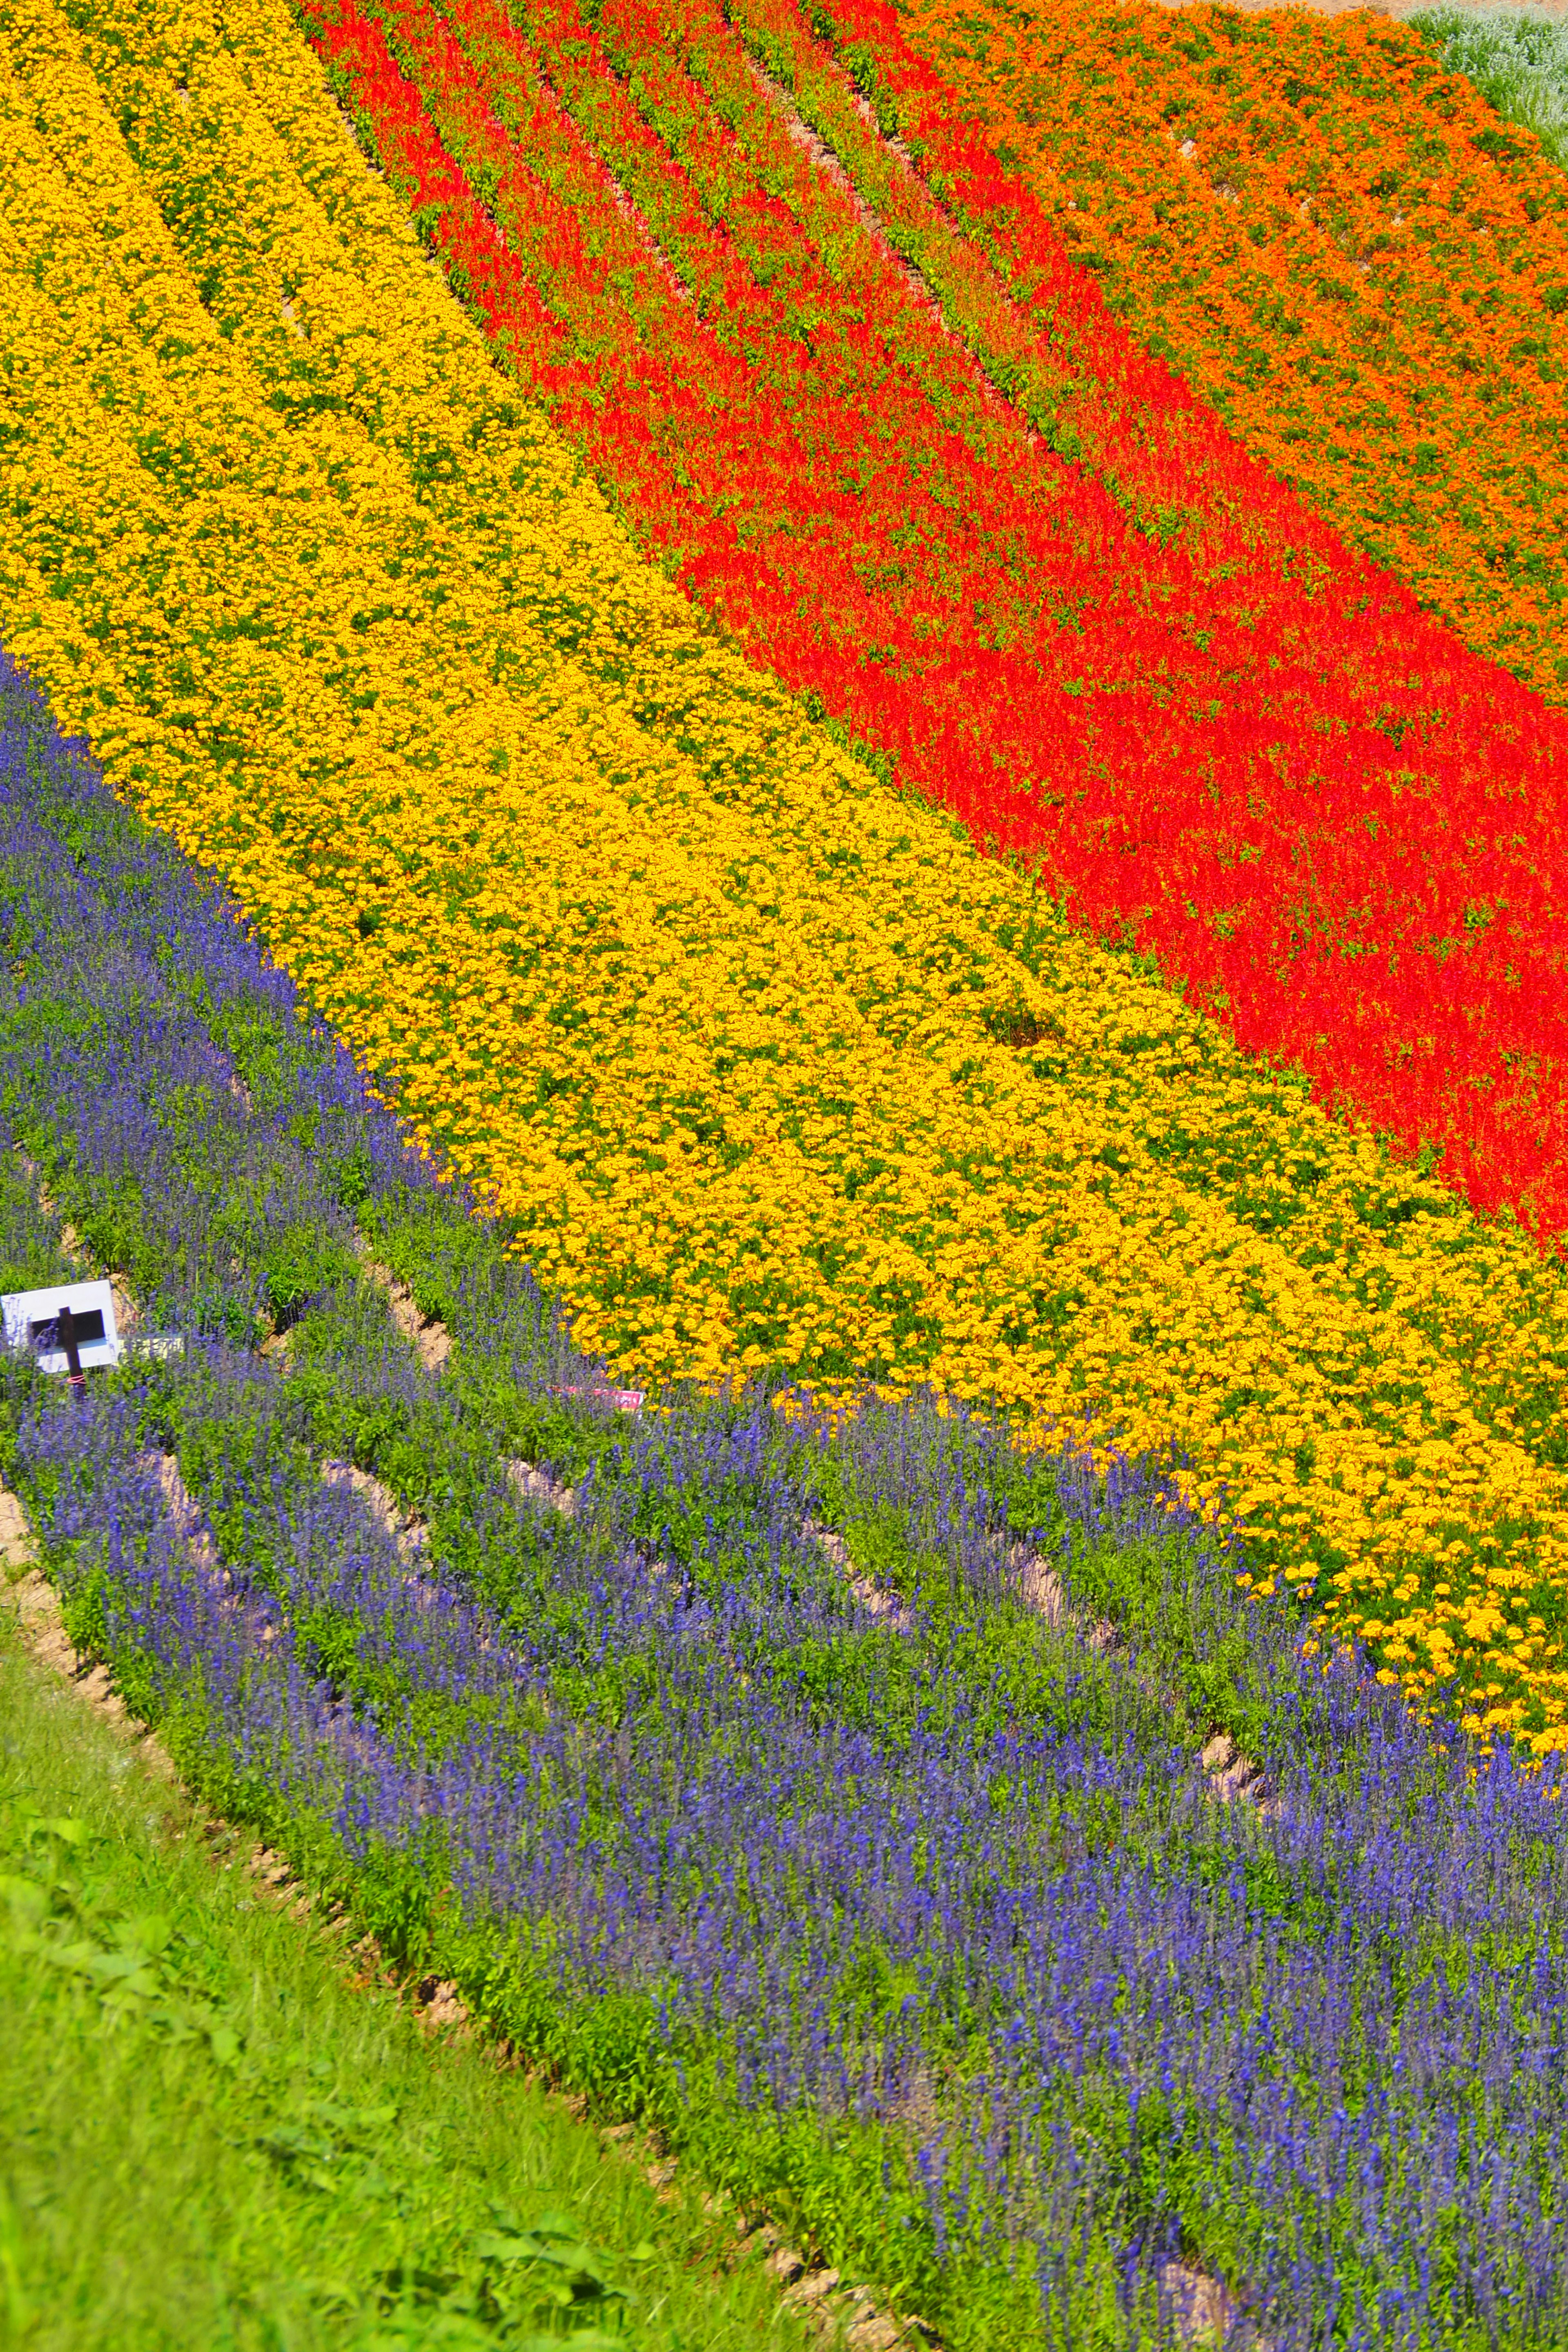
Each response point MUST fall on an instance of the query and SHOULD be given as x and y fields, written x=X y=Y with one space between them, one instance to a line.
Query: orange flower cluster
x=1339 y=246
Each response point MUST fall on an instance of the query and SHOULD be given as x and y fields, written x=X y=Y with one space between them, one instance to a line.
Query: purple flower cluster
x=923 y=1918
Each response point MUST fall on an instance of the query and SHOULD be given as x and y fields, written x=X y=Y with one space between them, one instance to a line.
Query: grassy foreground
x=210 y=2137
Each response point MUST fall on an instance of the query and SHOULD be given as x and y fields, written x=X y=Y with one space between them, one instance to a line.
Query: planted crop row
x=925 y=1930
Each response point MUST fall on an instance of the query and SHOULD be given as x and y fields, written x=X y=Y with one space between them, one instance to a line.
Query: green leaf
x=27 y=1897
x=224 y=2044
x=65 y=1826
x=149 y=1934
x=143 y=1986
x=114 y=1967
x=554 y=2225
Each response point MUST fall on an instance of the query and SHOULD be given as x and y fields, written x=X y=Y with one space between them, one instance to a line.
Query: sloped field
x=841 y=1056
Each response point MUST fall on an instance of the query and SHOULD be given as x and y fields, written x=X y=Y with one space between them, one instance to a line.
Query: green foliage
x=1519 y=62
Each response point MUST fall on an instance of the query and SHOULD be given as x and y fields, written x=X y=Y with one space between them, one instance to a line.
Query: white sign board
x=32 y=1320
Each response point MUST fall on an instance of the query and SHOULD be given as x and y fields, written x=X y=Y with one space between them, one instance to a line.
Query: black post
x=64 y=1331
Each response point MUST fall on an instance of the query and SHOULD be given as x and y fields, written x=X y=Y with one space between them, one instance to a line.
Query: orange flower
x=1339 y=246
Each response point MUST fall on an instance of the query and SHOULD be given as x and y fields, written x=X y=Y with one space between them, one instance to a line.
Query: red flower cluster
x=1152 y=673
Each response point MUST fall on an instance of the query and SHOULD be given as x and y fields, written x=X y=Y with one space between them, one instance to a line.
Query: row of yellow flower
x=767 y=1064
x=1338 y=245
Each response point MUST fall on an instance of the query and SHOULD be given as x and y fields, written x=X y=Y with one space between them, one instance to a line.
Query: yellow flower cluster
x=767 y=1064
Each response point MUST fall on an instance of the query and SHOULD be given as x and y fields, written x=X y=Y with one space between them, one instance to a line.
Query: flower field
x=737 y=781
x=831 y=1890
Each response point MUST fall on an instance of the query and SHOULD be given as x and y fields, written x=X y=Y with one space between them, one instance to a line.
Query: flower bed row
x=1339 y=246
x=763 y=1064
x=925 y=1931
x=1160 y=679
